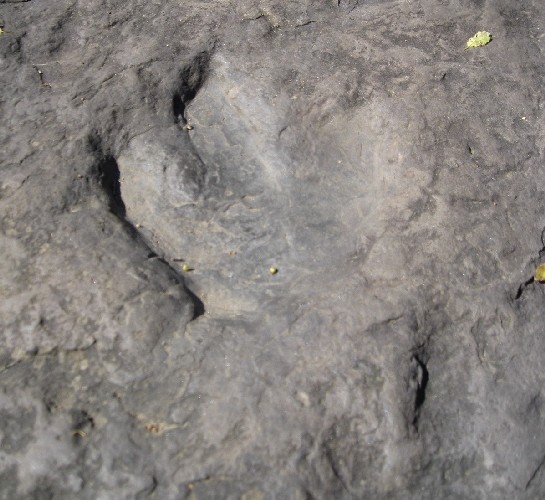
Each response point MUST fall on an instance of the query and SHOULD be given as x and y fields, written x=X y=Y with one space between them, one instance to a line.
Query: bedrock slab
x=158 y=158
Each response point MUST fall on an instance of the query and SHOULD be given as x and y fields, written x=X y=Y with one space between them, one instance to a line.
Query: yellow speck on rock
x=539 y=274
x=273 y=270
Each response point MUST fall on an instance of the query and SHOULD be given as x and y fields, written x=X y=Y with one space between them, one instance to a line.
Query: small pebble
x=273 y=270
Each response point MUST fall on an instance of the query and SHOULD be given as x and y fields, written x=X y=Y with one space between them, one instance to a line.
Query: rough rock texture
x=393 y=178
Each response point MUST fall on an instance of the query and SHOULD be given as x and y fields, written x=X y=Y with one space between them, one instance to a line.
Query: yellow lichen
x=481 y=38
x=539 y=274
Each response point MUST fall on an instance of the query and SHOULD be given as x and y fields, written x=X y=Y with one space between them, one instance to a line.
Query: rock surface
x=394 y=179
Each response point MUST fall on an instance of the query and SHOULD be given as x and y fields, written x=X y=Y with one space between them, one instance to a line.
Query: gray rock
x=159 y=158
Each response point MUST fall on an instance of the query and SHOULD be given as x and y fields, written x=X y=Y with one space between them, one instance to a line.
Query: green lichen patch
x=481 y=38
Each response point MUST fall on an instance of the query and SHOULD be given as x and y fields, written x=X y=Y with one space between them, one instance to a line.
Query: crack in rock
x=535 y=473
x=418 y=382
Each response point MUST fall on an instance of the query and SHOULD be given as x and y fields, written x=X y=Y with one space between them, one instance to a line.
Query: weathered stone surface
x=394 y=179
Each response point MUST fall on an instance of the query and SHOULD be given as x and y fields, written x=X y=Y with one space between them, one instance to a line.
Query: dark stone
x=159 y=158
